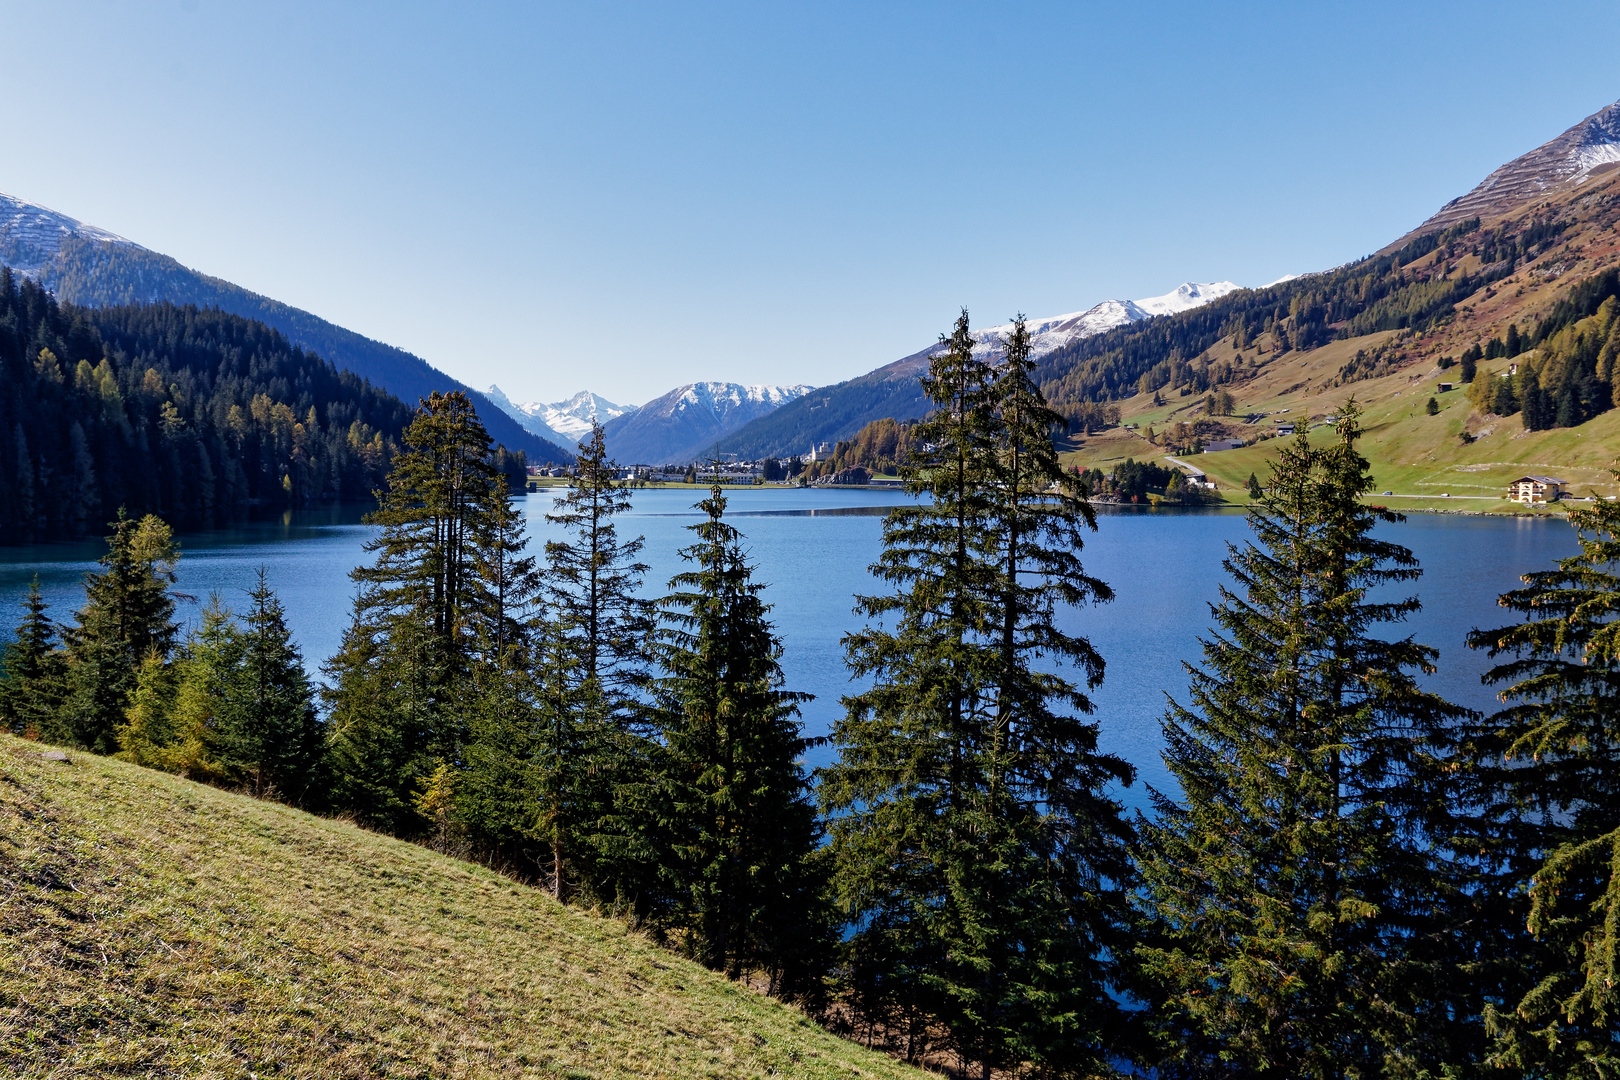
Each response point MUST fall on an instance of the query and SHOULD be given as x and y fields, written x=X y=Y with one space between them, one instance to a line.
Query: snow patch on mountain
x=31 y=235
x=1590 y=157
x=1051 y=334
x=687 y=423
x=567 y=422
x=720 y=399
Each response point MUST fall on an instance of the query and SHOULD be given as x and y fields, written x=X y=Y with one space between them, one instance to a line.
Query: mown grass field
x=150 y=926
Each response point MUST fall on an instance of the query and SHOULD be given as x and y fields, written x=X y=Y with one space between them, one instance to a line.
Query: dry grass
x=150 y=926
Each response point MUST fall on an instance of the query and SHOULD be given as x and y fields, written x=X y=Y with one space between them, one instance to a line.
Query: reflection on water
x=814 y=547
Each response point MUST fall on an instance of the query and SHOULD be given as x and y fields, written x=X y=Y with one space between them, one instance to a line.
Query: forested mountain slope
x=90 y=267
x=835 y=413
x=1518 y=314
x=1432 y=284
x=192 y=414
x=231 y=936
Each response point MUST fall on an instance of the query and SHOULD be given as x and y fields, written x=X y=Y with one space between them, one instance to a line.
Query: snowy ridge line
x=31 y=235
x=1058 y=331
x=567 y=422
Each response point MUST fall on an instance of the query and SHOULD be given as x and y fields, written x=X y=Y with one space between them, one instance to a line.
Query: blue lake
x=814 y=547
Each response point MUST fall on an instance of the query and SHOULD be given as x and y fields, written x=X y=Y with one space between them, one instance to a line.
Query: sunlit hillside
x=156 y=927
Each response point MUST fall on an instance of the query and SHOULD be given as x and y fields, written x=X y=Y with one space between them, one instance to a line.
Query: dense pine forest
x=1354 y=877
x=192 y=414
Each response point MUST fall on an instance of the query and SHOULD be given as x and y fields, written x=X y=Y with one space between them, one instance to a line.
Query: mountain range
x=91 y=267
x=1479 y=348
x=567 y=422
x=838 y=412
x=687 y=423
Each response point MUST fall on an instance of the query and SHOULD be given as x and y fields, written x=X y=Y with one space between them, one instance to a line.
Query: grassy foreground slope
x=150 y=926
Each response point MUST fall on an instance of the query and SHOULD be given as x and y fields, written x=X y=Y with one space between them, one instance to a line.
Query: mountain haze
x=92 y=267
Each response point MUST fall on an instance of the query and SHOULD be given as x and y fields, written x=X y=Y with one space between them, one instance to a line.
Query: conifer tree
x=496 y=802
x=974 y=848
x=497 y=798
x=593 y=576
x=128 y=615
x=738 y=835
x=1052 y=904
x=596 y=748
x=1545 y=796
x=195 y=743
x=31 y=670
x=271 y=734
x=147 y=736
x=1297 y=896
x=424 y=613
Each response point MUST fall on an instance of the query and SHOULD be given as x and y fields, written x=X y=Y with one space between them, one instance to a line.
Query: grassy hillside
x=1418 y=457
x=156 y=927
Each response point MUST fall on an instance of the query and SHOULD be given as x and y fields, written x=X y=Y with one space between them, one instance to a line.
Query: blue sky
x=628 y=197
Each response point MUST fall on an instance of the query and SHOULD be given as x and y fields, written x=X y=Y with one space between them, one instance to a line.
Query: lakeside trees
x=1354 y=879
x=191 y=414
x=977 y=855
x=1295 y=896
x=428 y=614
x=1545 y=812
x=736 y=832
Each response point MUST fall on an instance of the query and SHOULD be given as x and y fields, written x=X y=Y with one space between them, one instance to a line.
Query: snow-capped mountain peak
x=568 y=421
x=1574 y=156
x=1053 y=333
x=720 y=399
x=686 y=423
x=1185 y=297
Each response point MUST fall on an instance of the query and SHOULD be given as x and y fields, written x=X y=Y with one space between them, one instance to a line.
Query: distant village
x=785 y=472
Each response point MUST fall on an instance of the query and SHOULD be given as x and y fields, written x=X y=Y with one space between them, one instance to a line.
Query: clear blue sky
x=628 y=197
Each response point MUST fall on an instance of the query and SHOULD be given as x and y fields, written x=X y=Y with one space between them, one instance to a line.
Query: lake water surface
x=813 y=548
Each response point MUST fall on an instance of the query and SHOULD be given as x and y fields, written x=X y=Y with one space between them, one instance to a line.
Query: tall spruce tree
x=128 y=615
x=976 y=852
x=741 y=880
x=424 y=613
x=31 y=670
x=596 y=749
x=593 y=575
x=1545 y=797
x=1298 y=900
x=1051 y=905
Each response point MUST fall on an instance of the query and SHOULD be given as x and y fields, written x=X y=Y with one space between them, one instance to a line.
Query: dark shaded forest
x=94 y=273
x=194 y=414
